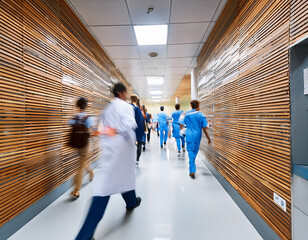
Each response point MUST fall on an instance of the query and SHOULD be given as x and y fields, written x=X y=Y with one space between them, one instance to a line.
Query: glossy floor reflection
x=174 y=206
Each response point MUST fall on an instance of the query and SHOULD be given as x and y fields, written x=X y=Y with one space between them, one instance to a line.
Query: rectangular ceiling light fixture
x=158 y=96
x=156 y=100
x=151 y=34
x=155 y=92
x=154 y=81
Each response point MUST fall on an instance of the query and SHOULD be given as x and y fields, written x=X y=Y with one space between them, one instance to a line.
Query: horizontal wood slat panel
x=48 y=60
x=244 y=92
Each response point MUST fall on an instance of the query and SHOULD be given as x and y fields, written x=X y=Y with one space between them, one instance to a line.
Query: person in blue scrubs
x=176 y=128
x=163 y=126
x=195 y=122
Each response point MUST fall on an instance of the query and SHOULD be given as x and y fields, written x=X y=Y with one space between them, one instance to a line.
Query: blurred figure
x=142 y=108
x=195 y=122
x=176 y=128
x=79 y=139
x=140 y=135
x=116 y=170
x=149 y=124
x=163 y=126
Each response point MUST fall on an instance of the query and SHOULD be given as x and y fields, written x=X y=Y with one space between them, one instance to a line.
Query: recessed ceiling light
x=156 y=100
x=155 y=92
x=151 y=34
x=156 y=96
x=155 y=80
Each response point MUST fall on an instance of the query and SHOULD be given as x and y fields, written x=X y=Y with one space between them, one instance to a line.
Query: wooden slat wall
x=244 y=92
x=48 y=60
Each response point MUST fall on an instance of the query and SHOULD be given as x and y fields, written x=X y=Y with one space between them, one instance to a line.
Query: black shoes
x=165 y=143
x=138 y=201
x=143 y=149
x=192 y=175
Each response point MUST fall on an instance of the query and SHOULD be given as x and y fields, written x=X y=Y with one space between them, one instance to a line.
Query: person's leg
x=139 y=147
x=183 y=142
x=178 y=143
x=166 y=136
x=131 y=200
x=149 y=134
x=87 y=167
x=144 y=141
x=95 y=214
x=161 y=135
x=83 y=157
x=192 y=156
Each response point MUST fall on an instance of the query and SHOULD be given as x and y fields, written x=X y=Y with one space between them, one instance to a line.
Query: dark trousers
x=139 y=148
x=96 y=213
x=149 y=134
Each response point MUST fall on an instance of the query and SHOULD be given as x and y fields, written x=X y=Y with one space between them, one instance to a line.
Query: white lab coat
x=116 y=171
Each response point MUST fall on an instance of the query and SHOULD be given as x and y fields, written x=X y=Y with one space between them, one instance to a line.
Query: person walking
x=149 y=124
x=176 y=128
x=79 y=139
x=163 y=126
x=139 y=118
x=195 y=122
x=116 y=170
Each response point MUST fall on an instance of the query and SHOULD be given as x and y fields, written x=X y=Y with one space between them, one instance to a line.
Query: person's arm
x=206 y=134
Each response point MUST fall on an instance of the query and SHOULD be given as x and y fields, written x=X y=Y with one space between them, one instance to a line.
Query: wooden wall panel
x=244 y=92
x=48 y=60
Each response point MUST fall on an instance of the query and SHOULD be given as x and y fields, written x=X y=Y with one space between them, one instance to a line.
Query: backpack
x=79 y=136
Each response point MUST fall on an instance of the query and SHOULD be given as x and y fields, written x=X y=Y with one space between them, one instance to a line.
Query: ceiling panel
x=160 y=49
x=98 y=12
x=123 y=51
x=127 y=63
x=154 y=71
x=175 y=77
x=208 y=31
x=176 y=70
x=132 y=71
x=178 y=62
x=152 y=62
x=219 y=9
x=138 y=11
x=193 y=10
x=182 y=50
x=115 y=35
x=187 y=32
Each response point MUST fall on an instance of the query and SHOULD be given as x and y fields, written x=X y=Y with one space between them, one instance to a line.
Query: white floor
x=174 y=206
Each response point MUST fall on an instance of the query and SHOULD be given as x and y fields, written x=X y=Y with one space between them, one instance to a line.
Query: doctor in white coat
x=116 y=170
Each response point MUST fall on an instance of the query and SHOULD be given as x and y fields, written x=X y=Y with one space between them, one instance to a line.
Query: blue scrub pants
x=163 y=136
x=96 y=213
x=178 y=143
x=193 y=149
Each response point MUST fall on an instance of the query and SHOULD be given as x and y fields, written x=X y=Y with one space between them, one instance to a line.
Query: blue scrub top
x=175 y=124
x=162 y=120
x=194 y=122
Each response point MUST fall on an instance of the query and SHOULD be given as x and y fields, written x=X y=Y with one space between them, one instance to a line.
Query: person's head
x=82 y=103
x=134 y=99
x=120 y=91
x=162 y=108
x=194 y=104
x=177 y=106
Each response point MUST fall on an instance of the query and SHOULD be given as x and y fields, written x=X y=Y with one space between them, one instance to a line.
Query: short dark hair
x=118 y=88
x=194 y=104
x=162 y=108
x=82 y=103
x=177 y=106
x=133 y=98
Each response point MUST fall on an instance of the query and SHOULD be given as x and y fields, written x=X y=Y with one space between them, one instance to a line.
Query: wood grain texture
x=243 y=73
x=48 y=60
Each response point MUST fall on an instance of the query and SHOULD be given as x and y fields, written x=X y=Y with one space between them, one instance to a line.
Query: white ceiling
x=190 y=23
